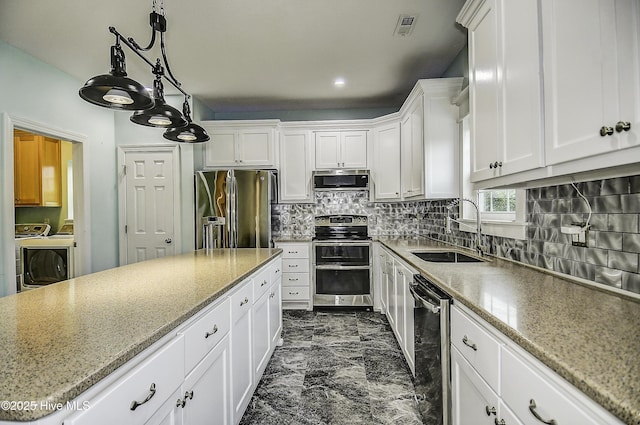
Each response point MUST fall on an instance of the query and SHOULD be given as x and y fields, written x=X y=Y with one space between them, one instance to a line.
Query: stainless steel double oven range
x=342 y=254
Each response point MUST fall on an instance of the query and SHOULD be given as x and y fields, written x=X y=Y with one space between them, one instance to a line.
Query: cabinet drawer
x=154 y=380
x=295 y=279
x=242 y=299
x=261 y=282
x=295 y=265
x=295 y=251
x=205 y=333
x=295 y=293
x=276 y=269
x=475 y=343
x=521 y=383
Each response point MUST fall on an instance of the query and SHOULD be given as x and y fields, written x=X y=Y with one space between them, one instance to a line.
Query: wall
x=459 y=67
x=36 y=91
x=612 y=257
x=305 y=114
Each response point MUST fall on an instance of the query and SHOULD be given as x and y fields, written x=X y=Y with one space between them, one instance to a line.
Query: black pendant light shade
x=160 y=115
x=115 y=90
x=191 y=133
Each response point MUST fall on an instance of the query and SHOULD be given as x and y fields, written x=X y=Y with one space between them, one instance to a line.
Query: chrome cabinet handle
x=273 y=294
x=294 y=293
x=264 y=282
x=469 y=344
x=500 y=422
x=532 y=409
x=293 y=279
x=495 y=164
x=168 y=240
x=213 y=331
x=293 y=252
x=623 y=126
x=490 y=410
x=606 y=131
x=293 y=266
x=243 y=302
x=152 y=391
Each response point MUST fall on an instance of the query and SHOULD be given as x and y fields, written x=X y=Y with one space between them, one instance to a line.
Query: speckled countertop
x=587 y=336
x=59 y=340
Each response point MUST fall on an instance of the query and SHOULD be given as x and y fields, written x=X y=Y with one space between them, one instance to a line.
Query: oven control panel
x=341 y=220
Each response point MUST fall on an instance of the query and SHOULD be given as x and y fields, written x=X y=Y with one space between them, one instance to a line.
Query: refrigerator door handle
x=234 y=213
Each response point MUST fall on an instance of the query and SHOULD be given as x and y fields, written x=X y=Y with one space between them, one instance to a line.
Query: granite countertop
x=59 y=340
x=586 y=335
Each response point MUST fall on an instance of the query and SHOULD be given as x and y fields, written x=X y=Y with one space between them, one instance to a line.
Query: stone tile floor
x=335 y=367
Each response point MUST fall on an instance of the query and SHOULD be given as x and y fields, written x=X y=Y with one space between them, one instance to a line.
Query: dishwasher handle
x=435 y=309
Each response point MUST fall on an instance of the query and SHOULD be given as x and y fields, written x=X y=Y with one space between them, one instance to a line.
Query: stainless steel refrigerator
x=233 y=208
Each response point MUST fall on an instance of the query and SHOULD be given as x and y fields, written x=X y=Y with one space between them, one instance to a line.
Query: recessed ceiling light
x=339 y=82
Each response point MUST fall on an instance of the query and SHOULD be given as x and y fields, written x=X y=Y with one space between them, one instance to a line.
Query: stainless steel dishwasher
x=432 y=352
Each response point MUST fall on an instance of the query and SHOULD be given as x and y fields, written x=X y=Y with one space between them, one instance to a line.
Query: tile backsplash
x=612 y=256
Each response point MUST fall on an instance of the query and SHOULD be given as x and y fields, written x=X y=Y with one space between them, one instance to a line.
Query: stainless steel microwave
x=341 y=180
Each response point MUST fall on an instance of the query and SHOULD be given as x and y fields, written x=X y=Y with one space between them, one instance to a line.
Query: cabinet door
x=413 y=152
x=256 y=147
x=471 y=397
x=484 y=90
x=170 y=413
x=295 y=173
x=521 y=145
x=400 y=303
x=241 y=347
x=409 y=342
x=26 y=165
x=207 y=389
x=220 y=151
x=275 y=314
x=386 y=168
x=581 y=73
x=50 y=173
x=261 y=335
x=327 y=149
x=353 y=149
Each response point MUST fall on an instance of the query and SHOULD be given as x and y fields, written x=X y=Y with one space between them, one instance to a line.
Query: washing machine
x=46 y=260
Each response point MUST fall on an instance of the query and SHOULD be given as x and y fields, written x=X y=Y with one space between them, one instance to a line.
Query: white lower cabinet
x=135 y=397
x=494 y=381
x=242 y=349
x=473 y=400
x=296 y=275
x=396 y=276
x=205 y=374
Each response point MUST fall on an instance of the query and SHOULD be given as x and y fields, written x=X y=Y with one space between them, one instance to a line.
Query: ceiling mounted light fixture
x=116 y=91
x=190 y=133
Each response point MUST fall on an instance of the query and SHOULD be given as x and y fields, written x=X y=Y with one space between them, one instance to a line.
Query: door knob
x=606 y=131
x=168 y=240
x=623 y=126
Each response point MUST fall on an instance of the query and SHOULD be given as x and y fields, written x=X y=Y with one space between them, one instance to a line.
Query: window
x=499 y=205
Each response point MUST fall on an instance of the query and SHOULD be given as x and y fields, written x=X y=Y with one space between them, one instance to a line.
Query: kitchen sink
x=446 y=257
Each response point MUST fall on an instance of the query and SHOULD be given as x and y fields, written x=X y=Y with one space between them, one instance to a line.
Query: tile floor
x=335 y=367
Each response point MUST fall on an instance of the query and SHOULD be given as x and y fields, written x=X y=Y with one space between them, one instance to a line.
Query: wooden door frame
x=81 y=203
x=122 y=195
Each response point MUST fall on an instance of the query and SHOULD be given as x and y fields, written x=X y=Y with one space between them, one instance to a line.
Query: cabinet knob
x=490 y=410
x=623 y=126
x=606 y=131
x=495 y=164
x=500 y=422
x=243 y=302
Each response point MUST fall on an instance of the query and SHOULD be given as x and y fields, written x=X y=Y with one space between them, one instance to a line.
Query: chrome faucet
x=479 y=247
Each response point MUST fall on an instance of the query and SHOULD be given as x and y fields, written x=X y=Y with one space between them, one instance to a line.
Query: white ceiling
x=242 y=55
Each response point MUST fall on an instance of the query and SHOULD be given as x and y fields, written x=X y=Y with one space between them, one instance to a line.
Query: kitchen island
x=62 y=339
x=586 y=335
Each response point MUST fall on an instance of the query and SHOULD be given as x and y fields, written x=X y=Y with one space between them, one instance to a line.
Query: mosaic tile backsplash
x=612 y=256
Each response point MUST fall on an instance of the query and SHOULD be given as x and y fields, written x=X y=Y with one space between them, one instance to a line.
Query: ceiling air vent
x=405 y=25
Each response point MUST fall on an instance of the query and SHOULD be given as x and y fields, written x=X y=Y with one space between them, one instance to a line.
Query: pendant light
x=161 y=114
x=115 y=90
x=190 y=133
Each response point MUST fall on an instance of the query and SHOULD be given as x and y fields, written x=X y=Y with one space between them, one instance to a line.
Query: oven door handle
x=340 y=267
x=341 y=243
x=435 y=309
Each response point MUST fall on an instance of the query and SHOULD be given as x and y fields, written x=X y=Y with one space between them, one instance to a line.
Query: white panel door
x=257 y=147
x=386 y=168
x=149 y=199
x=353 y=149
x=327 y=149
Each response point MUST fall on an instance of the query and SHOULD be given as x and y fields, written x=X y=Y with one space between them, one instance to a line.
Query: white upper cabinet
x=412 y=148
x=591 y=77
x=505 y=92
x=341 y=149
x=295 y=172
x=386 y=169
x=248 y=144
